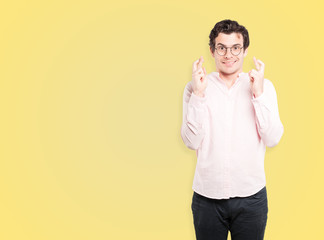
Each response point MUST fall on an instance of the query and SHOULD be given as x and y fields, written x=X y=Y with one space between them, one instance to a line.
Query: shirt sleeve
x=194 y=115
x=269 y=125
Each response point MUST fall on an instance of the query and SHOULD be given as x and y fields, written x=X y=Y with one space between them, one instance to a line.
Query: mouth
x=229 y=63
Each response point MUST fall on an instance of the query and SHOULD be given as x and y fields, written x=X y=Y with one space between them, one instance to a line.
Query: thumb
x=251 y=77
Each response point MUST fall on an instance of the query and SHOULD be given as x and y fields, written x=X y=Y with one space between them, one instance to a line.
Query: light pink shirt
x=230 y=129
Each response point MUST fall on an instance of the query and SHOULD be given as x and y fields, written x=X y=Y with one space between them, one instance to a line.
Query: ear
x=211 y=52
x=245 y=52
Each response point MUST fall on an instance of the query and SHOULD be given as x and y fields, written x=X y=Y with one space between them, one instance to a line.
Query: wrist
x=199 y=94
x=257 y=94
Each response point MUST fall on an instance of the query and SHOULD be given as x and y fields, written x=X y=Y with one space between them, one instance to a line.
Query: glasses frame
x=230 y=50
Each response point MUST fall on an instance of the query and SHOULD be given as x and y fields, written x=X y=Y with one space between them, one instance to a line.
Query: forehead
x=229 y=39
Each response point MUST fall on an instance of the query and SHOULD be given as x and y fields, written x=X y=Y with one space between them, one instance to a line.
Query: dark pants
x=244 y=217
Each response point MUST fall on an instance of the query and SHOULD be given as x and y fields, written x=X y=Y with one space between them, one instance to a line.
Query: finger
x=261 y=65
x=201 y=60
x=257 y=65
x=198 y=70
x=200 y=75
x=205 y=70
x=253 y=76
x=254 y=71
x=202 y=79
x=194 y=65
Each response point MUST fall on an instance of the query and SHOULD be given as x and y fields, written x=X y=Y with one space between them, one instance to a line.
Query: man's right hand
x=199 y=81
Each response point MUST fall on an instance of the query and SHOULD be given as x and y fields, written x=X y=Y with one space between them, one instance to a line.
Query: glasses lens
x=221 y=50
x=236 y=50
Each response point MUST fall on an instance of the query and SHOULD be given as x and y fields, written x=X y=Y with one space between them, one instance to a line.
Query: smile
x=229 y=63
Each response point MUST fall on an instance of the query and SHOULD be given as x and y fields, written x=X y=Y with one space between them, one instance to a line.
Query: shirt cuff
x=261 y=100
x=196 y=100
x=260 y=96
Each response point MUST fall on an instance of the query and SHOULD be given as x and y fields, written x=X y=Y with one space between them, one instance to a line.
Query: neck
x=229 y=77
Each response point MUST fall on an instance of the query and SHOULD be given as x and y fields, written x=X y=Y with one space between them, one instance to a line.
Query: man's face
x=229 y=64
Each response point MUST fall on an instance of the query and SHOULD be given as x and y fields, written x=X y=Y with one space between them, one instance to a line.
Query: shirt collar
x=240 y=75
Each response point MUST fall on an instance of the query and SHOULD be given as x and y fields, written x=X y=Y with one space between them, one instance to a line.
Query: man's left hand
x=257 y=78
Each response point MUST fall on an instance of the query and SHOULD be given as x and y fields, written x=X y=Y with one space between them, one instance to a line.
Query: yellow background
x=91 y=110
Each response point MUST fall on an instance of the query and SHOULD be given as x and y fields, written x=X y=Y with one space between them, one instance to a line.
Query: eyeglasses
x=222 y=50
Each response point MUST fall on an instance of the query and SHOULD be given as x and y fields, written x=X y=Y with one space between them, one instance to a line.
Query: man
x=229 y=117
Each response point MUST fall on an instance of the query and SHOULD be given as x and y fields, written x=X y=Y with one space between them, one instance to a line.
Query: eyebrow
x=226 y=46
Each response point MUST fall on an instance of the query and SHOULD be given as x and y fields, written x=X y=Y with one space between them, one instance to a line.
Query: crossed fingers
x=257 y=74
x=259 y=65
x=198 y=69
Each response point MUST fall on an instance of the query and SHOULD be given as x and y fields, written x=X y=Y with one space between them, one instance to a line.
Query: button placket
x=227 y=140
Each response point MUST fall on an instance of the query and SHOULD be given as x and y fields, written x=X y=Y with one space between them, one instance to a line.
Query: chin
x=228 y=71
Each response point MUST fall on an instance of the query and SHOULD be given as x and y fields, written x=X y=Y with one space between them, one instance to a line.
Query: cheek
x=218 y=60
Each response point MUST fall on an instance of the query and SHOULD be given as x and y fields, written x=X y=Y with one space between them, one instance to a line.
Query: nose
x=228 y=53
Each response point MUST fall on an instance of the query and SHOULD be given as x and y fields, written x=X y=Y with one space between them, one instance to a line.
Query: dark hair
x=228 y=26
